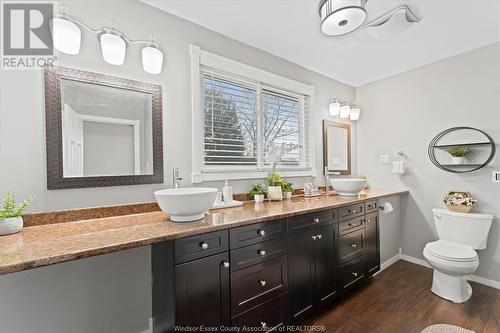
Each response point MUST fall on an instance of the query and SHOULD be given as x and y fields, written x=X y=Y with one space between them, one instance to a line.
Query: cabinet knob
x=263 y=283
x=354 y=245
x=368 y=220
x=314 y=237
x=316 y=220
x=263 y=325
x=204 y=245
x=354 y=212
x=262 y=232
x=354 y=274
x=262 y=253
x=320 y=236
x=225 y=264
x=350 y=224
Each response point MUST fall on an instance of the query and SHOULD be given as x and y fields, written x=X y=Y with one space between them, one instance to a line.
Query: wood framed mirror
x=336 y=147
x=101 y=130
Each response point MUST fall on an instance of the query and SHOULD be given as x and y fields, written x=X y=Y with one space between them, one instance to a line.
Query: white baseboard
x=389 y=262
x=474 y=278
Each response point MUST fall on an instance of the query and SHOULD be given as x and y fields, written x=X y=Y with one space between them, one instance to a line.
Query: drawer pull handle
x=320 y=236
x=353 y=245
x=262 y=253
x=263 y=325
x=316 y=220
x=263 y=283
x=314 y=237
x=262 y=232
x=354 y=274
x=225 y=264
x=204 y=245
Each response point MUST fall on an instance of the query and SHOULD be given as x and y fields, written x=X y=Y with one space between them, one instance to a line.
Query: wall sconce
x=344 y=110
x=67 y=36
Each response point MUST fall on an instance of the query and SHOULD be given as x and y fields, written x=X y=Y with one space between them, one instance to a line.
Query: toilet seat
x=451 y=251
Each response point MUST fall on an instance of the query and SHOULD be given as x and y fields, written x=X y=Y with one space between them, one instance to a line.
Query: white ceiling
x=290 y=29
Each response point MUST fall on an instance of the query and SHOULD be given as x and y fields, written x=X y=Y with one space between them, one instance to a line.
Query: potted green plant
x=257 y=192
x=274 y=182
x=287 y=189
x=458 y=153
x=11 y=220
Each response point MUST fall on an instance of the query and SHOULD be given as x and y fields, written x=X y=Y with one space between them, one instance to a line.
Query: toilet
x=454 y=255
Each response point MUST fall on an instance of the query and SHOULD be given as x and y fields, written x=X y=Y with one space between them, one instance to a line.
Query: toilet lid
x=451 y=251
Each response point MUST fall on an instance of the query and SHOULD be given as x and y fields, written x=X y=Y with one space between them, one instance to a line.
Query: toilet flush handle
x=438 y=216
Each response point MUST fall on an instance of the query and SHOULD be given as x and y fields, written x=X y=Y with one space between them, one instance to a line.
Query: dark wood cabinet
x=312 y=270
x=202 y=292
x=372 y=243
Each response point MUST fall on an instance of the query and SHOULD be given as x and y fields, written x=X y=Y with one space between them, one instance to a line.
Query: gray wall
x=405 y=112
x=111 y=293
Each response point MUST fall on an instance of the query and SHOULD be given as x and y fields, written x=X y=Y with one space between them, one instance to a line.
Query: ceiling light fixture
x=334 y=107
x=345 y=110
x=340 y=17
x=67 y=36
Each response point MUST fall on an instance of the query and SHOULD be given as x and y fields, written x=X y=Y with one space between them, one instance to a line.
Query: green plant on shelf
x=459 y=151
x=257 y=189
x=10 y=208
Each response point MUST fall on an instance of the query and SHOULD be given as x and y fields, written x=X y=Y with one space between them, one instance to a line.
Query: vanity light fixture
x=334 y=107
x=354 y=113
x=345 y=110
x=340 y=17
x=66 y=34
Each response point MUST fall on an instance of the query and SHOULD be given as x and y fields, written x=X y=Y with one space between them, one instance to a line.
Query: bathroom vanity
x=268 y=274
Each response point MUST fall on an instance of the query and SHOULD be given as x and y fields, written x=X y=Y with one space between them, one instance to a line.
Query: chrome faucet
x=327 y=179
x=176 y=178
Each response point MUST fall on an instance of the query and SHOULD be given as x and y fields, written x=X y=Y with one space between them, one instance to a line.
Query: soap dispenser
x=227 y=192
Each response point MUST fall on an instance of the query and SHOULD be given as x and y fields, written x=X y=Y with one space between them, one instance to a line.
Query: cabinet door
x=202 y=292
x=301 y=273
x=326 y=265
x=372 y=244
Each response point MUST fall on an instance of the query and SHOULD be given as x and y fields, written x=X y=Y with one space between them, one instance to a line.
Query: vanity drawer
x=257 y=284
x=371 y=206
x=199 y=246
x=351 y=245
x=256 y=233
x=267 y=317
x=257 y=253
x=352 y=274
x=351 y=211
x=299 y=223
x=348 y=226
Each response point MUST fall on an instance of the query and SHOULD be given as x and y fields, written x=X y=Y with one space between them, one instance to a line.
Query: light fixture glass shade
x=334 y=108
x=152 y=60
x=113 y=48
x=354 y=113
x=340 y=17
x=66 y=36
x=345 y=110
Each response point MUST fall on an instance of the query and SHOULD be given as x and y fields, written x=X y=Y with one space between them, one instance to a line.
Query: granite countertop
x=48 y=244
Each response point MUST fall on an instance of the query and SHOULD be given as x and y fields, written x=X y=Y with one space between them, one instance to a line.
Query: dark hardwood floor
x=399 y=300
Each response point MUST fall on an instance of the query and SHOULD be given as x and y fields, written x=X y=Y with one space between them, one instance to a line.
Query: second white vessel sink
x=349 y=187
x=186 y=204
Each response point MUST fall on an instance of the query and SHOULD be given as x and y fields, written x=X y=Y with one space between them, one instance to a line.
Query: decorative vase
x=460 y=208
x=275 y=193
x=287 y=195
x=458 y=160
x=11 y=225
x=258 y=197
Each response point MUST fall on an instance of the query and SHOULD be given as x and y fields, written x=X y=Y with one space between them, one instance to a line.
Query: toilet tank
x=464 y=228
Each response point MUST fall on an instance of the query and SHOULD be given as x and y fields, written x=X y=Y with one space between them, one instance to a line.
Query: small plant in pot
x=257 y=192
x=287 y=189
x=458 y=154
x=274 y=182
x=11 y=220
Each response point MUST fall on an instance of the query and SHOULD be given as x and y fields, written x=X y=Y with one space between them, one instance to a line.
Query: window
x=240 y=113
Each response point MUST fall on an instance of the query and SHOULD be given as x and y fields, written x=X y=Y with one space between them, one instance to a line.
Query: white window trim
x=203 y=58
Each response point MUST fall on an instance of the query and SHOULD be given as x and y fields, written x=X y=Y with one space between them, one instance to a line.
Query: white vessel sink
x=349 y=187
x=186 y=204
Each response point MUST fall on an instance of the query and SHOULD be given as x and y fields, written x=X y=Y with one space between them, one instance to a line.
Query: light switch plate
x=384 y=159
x=496 y=176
